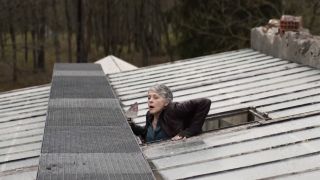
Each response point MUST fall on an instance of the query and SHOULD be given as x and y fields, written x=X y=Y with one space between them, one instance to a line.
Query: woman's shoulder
x=190 y=101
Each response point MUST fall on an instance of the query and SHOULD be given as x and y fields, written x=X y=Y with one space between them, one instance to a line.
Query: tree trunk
x=143 y=40
x=69 y=29
x=137 y=28
x=56 y=32
x=26 y=45
x=97 y=30
x=80 y=33
x=14 y=51
x=88 y=33
x=106 y=27
x=109 y=35
x=34 y=49
x=2 y=45
x=41 y=37
x=34 y=42
x=41 y=51
x=162 y=18
x=13 y=40
x=104 y=36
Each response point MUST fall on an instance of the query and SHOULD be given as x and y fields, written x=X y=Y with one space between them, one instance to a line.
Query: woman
x=166 y=119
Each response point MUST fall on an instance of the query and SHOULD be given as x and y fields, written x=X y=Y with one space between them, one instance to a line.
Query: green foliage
x=143 y=32
x=208 y=26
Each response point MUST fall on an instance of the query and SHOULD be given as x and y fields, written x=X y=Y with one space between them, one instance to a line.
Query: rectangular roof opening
x=226 y=120
x=233 y=118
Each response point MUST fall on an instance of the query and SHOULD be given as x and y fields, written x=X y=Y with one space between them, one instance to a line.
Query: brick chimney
x=287 y=39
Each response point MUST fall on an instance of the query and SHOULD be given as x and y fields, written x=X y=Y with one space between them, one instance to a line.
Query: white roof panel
x=221 y=152
x=287 y=167
x=112 y=64
x=287 y=92
x=22 y=119
x=286 y=146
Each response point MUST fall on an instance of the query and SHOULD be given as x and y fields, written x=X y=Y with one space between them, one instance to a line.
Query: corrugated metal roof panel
x=287 y=92
x=229 y=90
x=232 y=80
x=287 y=167
x=22 y=118
x=219 y=154
x=163 y=67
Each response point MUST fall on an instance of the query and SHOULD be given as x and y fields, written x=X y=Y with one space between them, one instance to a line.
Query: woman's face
x=156 y=103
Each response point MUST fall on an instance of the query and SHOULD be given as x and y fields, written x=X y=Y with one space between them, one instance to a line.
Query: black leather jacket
x=183 y=118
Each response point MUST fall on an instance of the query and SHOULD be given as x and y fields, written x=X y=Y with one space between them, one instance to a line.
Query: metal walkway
x=86 y=135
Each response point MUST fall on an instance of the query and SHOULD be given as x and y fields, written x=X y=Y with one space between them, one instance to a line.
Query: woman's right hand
x=178 y=137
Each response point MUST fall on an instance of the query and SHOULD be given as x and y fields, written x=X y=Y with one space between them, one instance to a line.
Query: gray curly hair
x=163 y=91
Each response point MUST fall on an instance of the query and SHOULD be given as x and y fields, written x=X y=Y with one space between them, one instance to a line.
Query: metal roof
x=286 y=145
x=232 y=80
x=112 y=64
x=22 y=118
x=289 y=149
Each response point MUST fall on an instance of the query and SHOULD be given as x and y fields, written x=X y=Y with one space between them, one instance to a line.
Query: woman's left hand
x=178 y=137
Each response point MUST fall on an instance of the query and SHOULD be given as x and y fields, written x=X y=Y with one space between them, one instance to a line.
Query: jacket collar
x=150 y=116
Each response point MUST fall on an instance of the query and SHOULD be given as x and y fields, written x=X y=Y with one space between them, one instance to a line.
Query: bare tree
x=69 y=29
x=3 y=27
x=80 y=32
x=41 y=35
x=25 y=27
x=2 y=44
x=12 y=31
x=56 y=29
x=34 y=45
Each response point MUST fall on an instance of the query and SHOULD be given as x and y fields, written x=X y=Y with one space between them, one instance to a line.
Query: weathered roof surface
x=289 y=149
x=232 y=80
x=285 y=146
x=22 y=118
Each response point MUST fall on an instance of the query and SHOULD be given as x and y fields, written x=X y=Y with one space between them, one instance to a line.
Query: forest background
x=34 y=34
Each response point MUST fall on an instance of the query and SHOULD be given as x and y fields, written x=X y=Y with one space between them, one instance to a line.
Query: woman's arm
x=198 y=109
x=137 y=130
x=140 y=130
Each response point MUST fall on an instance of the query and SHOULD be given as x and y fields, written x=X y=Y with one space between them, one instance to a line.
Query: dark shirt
x=156 y=134
x=183 y=118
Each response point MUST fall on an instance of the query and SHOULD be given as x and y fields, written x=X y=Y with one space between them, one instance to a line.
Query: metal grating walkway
x=86 y=134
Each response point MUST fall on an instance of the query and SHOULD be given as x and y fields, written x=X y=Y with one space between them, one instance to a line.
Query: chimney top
x=290 y=23
x=287 y=39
